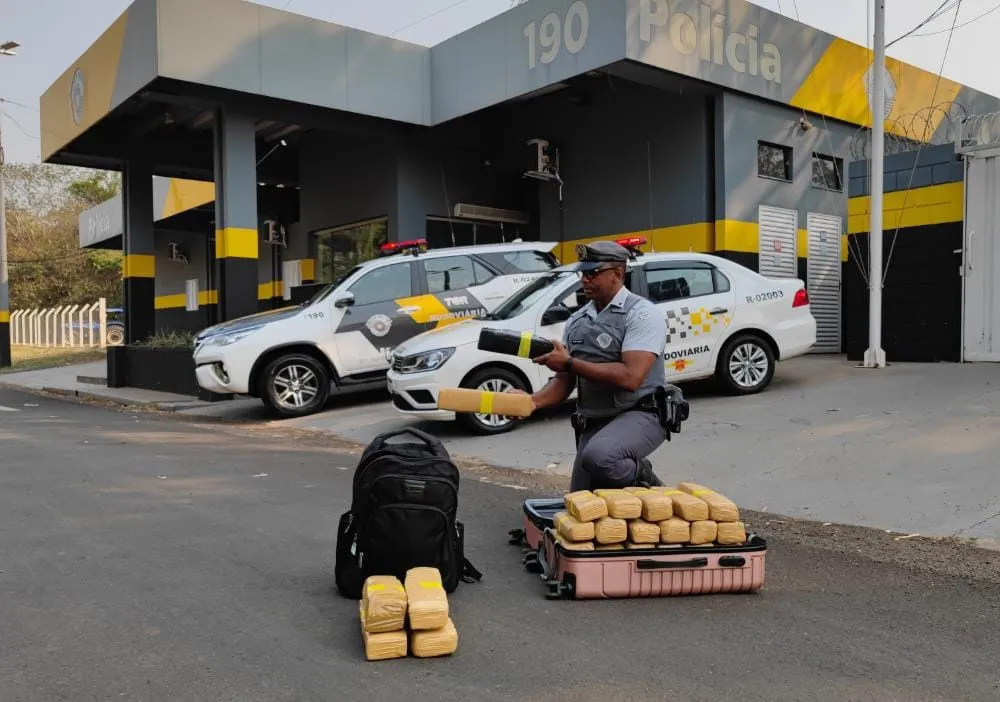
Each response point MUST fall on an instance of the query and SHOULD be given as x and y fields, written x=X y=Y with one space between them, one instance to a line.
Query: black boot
x=644 y=475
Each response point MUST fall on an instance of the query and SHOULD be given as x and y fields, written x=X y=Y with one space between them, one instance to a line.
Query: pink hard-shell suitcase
x=653 y=572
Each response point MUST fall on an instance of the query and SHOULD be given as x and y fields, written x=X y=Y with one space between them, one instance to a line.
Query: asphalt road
x=910 y=447
x=143 y=558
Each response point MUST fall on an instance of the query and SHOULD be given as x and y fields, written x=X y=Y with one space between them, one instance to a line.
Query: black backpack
x=403 y=514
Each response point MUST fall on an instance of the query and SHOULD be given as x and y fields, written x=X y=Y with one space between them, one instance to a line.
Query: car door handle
x=719 y=310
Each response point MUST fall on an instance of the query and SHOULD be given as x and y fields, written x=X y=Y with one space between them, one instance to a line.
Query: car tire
x=492 y=380
x=115 y=335
x=746 y=365
x=277 y=383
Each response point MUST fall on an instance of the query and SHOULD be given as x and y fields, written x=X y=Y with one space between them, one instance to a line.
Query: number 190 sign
x=554 y=32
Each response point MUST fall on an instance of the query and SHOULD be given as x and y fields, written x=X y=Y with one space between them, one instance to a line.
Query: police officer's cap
x=600 y=254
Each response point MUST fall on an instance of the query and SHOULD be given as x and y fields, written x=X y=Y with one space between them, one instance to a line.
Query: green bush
x=170 y=340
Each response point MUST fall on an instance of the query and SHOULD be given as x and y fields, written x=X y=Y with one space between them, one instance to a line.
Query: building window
x=827 y=172
x=774 y=161
x=340 y=249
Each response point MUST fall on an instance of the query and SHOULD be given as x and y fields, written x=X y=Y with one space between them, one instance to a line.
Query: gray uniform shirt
x=628 y=323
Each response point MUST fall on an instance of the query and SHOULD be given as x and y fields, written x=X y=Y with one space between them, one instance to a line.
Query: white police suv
x=292 y=358
x=724 y=320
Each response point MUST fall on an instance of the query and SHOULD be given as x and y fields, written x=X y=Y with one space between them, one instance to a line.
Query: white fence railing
x=69 y=325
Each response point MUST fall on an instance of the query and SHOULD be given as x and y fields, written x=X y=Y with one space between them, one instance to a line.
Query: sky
x=54 y=33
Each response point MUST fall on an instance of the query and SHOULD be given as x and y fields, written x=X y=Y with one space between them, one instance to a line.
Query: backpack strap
x=469 y=572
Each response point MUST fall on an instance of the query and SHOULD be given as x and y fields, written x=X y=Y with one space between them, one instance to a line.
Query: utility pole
x=5 y=355
x=875 y=355
x=8 y=48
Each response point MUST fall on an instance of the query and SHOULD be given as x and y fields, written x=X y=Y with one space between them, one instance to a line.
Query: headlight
x=421 y=362
x=231 y=338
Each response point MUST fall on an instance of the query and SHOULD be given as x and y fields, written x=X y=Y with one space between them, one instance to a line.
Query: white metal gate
x=823 y=279
x=981 y=295
x=777 y=234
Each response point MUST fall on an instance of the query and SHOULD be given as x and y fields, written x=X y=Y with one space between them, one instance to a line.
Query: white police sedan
x=724 y=321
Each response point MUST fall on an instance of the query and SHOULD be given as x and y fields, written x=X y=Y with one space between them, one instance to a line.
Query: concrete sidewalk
x=64 y=380
x=909 y=448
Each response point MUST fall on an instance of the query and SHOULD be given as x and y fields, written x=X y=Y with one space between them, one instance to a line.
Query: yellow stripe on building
x=919 y=207
x=82 y=94
x=837 y=87
x=236 y=242
x=270 y=290
x=179 y=300
x=183 y=195
x=139 y=266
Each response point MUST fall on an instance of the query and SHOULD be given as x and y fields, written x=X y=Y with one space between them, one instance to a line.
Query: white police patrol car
x=723 y=320
x=293 y=357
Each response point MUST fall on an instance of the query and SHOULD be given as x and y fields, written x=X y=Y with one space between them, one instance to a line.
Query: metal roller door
x=823 y=279
x=777 y=236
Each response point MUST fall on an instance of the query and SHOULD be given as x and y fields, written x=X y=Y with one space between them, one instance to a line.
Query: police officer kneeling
x=612 y=352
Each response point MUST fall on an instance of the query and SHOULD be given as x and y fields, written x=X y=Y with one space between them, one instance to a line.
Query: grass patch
x=27 y=358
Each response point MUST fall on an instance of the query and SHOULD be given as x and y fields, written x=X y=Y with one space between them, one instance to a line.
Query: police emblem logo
x=604 y=340
x=379 y=324
x=77 y=96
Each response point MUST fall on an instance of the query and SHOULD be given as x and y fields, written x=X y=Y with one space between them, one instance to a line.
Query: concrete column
x=139 y=266
x=237 y=234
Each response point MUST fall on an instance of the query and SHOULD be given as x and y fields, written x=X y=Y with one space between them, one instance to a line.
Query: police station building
x=263 y=151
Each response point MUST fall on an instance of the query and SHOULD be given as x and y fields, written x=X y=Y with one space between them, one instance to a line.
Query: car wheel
x=491 y=380
x=746 y=365
x=115 y=335
x=295 y=385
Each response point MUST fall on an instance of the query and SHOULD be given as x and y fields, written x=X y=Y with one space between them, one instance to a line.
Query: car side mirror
x=555 y=314
x=346 y=301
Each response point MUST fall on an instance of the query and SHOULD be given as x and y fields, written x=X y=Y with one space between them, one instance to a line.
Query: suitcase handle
x=648 y=564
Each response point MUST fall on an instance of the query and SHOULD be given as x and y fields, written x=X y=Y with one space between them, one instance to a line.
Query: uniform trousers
x=607 y=455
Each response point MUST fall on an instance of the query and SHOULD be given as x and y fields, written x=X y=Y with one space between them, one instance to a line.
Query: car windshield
x=526 y=297
x=324 y=293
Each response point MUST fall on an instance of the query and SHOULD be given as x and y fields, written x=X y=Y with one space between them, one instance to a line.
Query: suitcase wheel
x=532 y=564
x=558 y=590
x=516 y=536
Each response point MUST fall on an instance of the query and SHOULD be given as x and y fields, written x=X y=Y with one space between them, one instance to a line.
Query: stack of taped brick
x=643 y=518
x=397 y=617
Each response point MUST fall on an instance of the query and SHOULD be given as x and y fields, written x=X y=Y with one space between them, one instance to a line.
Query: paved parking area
x=909 y=448
x=147 y=559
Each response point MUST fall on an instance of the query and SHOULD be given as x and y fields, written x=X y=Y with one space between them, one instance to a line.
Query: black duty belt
x=667 y=404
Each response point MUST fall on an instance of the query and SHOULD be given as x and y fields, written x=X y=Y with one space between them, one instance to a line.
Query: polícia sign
x=703 y=33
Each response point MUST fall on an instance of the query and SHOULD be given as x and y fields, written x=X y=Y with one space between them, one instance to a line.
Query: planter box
x=163 y=370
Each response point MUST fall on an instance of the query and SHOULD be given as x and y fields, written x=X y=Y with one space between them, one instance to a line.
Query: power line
x=920 y=145
x=838 y=172
x=18 y=125
x=940 y=11
x=19 y=104
x=433 y=14
x=959 y=26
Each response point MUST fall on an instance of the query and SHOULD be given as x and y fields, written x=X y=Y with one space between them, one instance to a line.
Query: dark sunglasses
x=597 y=271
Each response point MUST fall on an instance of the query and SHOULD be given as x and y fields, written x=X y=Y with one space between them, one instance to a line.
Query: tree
x=47 y=267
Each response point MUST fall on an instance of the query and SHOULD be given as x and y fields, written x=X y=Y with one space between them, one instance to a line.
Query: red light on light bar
x=801 y=298
x=395 y=245
x=631 y=241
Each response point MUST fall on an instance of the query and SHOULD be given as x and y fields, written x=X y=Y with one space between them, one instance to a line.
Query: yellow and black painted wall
x=922 y=242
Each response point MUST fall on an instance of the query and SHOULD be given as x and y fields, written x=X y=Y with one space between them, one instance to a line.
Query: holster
x=671 y=408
